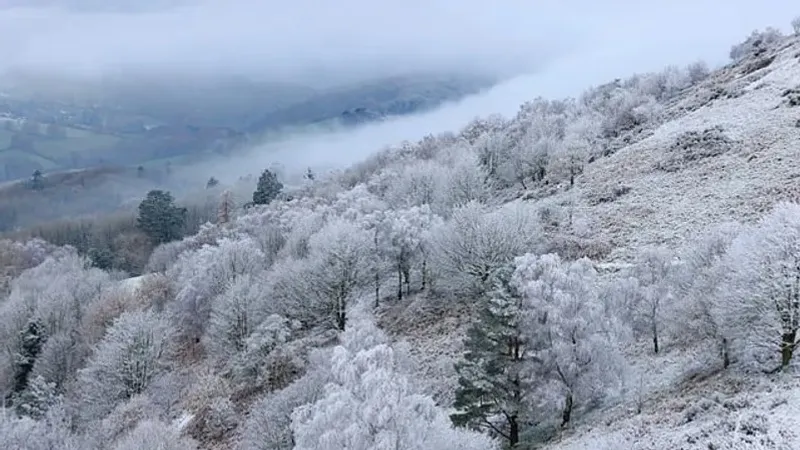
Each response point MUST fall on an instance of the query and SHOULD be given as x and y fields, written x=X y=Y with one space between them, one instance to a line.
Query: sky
x=318 y=39
x=288 y=37
x=552 y=48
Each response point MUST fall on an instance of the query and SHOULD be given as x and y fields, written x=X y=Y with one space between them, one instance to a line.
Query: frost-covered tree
x=568 y=331
x=495 y=379
x=762 y=292
x=60 y=358
x=654 y=269
x=370 y=404
x=416 y=184
x=49 y=432
x=48 y=300
x=270 y=356
x=698 y=281
x=697 y=72
x=477 y=240
x=226 y=208
x=202 y=275
x=479 y=127
x=465 y=181
x=37 y=399
x=621 y=107
x=233 y=317
x=154 y=435
x=796 y=25
x=758 y=41
x=509 y=160
x=341 y=255
x=131 y=354
x=577 y=147
x=268 y=426
x=320 y=288
x=405 y=231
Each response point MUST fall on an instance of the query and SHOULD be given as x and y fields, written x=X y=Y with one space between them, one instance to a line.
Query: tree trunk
x=399 y=283
x=377 y=289
x=726 y=357
x=655 y=338
x=567 y=414
x=424 y=273
x=787 y=348
x=513 y=431
x=377 y=271
x=341 y=315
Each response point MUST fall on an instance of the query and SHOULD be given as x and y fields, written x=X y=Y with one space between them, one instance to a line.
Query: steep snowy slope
x=743 y=157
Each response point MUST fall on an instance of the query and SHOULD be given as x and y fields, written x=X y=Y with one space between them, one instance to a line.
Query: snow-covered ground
x=723 y=412
x=760 y=167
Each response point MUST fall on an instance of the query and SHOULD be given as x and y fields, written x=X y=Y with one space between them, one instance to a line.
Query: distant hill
x=50 y=124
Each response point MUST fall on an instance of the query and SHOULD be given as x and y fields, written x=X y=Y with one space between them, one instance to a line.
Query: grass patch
x=82 y=145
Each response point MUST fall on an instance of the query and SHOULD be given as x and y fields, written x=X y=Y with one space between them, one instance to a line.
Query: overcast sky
x=284 y=39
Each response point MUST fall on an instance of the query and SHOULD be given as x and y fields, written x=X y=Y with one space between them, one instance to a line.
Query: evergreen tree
x=31 y=340
x=140 y=172
x=101 y=257
x=37 y=180
x=310 y=176
x=267 y=189
x=159 y=218
x=493 y=386
x=211 y=183
x=37 y=398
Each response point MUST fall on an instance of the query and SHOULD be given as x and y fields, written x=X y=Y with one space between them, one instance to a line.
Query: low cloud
x=678 y=35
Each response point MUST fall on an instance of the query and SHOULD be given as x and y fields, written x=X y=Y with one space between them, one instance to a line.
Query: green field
x=5 y=138
x=18 y=155
x=48 y=153
x=79 y=142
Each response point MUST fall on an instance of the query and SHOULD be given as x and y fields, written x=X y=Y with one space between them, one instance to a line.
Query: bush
x=214 y=422
x=755 y=44
x=154 y=435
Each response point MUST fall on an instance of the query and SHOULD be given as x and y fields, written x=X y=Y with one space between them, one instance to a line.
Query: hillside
x=614 y=271
x=727 y=153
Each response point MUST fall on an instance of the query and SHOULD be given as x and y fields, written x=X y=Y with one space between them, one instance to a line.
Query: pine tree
x=159 y=218
x=212 y=182
x=31 y=339
x=492 y=384
x=267 y=189
x=37 y=398
x=37 y=180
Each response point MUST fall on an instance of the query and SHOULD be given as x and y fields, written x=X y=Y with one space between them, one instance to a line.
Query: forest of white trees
x=262 y=330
